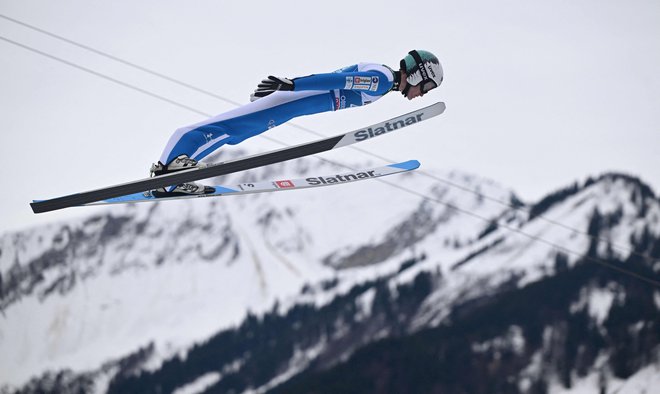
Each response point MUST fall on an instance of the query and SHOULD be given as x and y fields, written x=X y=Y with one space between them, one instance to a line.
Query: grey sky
x=538 y=93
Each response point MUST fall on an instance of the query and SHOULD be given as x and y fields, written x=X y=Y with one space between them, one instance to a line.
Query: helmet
x=422 y=68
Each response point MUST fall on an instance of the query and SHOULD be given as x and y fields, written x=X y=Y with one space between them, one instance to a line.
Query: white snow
x=531 y=372
x=365 y=303
x=645 y=381
x=586 y=385
x=513 y=340
x=200 y=384
x=597 y=302
x=600 y=302
x=298 y=363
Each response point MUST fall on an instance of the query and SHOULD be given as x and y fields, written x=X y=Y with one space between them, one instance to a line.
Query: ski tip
x=437 y=108
x=407 y=165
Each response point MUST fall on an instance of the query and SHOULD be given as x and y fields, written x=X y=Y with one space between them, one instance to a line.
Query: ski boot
x=181 y=162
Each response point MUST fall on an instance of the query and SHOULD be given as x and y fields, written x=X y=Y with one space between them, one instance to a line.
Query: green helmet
x=422 y=68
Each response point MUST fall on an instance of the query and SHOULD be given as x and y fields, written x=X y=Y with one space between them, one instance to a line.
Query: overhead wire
x=423 y=173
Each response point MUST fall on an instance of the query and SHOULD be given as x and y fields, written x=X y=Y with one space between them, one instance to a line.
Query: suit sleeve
x=369 y=82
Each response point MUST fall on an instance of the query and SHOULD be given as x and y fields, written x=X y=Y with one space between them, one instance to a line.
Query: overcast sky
x=539 y=93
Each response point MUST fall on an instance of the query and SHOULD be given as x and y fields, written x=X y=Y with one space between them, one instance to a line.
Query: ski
x=273 y=186
x=259 y=160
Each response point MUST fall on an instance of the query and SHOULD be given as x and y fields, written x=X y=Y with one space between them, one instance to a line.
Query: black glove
x=270 y=85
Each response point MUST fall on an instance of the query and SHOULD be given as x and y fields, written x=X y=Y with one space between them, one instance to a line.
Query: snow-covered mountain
x=287 y=290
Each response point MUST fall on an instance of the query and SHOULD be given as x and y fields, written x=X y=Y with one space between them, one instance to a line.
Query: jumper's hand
x=270 y=85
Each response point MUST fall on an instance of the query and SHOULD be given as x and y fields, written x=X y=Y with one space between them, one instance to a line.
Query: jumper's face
x=418 y=90
x=414 y=91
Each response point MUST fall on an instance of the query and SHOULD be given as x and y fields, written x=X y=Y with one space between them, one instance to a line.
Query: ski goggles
x=426 y=86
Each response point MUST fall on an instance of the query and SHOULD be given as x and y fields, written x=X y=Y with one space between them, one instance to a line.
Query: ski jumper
x=351 y=86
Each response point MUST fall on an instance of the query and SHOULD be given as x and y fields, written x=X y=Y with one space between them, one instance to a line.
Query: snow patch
x=645 y=381
x=365 y=303
x=299 y=361
x=200 y=384
x=597 y=302
x=531 y=373
x=512 y=340
x=600 y=302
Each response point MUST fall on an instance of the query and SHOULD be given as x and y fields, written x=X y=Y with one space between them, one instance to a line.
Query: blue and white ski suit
x=351 y=86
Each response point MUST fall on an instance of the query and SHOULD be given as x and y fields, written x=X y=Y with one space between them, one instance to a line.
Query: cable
x=120 y=60
x=98 y=74
x=121 y=83
x=178 y=104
